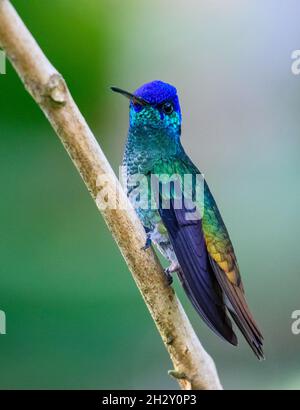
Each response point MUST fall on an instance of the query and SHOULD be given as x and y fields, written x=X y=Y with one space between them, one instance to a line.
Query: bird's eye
x=168 y=108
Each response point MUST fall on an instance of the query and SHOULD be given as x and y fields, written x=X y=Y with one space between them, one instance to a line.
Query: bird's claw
x=148 y=243
x=174 y=267
x=169 y=276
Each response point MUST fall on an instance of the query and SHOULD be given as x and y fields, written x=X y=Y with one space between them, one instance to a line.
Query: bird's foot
x=174 y=267
x=169 y=277
x=148 y=243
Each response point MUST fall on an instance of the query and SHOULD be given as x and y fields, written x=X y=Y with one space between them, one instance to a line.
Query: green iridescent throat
x=152 y=136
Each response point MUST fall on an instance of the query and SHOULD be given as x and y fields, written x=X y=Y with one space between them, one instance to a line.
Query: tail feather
x=254 y=343
x=239 y=310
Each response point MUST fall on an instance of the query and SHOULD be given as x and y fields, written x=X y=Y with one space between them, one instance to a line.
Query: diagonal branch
x=194 y=368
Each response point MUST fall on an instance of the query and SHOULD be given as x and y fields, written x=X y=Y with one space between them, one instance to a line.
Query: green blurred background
x=75 y=318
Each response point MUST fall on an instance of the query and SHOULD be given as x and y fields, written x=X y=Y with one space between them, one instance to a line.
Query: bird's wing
x=189 y=245
x=209 y=270
x=224 y=264
x=196 y=274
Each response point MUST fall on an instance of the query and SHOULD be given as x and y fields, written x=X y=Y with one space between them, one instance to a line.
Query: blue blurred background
x=75 y=318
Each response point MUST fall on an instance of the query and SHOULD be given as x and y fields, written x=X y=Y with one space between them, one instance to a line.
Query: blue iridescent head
x=154 y=105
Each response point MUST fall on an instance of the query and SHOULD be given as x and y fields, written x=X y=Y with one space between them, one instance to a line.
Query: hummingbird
x=198 y=249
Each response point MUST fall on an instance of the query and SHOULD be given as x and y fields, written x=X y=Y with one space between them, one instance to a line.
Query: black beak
x=131 y=96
